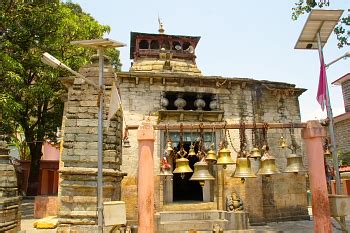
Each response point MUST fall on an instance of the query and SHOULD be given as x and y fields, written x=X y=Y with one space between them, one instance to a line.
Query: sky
x=245 y=39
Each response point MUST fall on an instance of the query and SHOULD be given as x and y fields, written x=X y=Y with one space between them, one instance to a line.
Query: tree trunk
x=33 y=180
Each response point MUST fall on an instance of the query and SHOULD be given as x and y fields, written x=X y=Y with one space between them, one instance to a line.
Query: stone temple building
x=165 y=85
x=342 y=121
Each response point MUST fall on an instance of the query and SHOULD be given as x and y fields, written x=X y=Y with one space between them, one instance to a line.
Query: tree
x=342 y=29
x=30 y=90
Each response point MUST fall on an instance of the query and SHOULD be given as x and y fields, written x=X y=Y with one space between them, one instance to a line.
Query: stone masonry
x=78 y=167
x=279 y=197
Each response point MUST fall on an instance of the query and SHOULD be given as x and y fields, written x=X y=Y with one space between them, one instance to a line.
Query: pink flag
x=322 y=85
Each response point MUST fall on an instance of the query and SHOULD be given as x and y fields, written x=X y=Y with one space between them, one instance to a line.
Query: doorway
x=183 y=189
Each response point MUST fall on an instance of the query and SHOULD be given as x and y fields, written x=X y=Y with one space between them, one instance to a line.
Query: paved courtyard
x=290 y=226
x=304 y=226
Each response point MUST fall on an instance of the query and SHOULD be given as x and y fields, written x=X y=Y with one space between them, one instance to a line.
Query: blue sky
x=246 y=39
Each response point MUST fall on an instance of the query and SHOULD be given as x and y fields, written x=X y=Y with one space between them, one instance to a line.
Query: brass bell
x=283 y=143
x=191 y=152
x=169 y=149
x=224 y=157
x=295 y=164
x=243 y=169
x=211 y=155
x=268 y=167
x=255 y=153
x=201 y=173
x=182 y=166
x=165 y=172
x=126 y=143
x=327 y=152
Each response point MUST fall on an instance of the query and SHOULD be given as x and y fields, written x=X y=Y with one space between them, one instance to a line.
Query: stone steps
x=200 y=220
x=191 y=215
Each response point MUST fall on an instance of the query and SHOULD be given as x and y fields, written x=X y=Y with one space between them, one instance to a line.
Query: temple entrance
x=183 y=189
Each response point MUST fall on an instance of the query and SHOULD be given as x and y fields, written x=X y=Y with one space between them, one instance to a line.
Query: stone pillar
x=10 y=201
x=145 y=181
x=313 y=134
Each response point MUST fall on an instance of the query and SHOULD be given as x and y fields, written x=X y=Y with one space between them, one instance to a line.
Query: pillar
x=145 y=179
x=313 y=135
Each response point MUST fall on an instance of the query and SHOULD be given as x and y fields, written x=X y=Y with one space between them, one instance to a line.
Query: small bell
x=294 y=164
x=201 y=173
x=255 y=153
x=283 y=143
x=224 y=157
x=327 y=152
x=211 y=155
x=243 y=169
x=191 y=152
x=169 y=149
x=165 y=172
x=126 y=143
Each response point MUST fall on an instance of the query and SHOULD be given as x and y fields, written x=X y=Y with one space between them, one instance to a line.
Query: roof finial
x=161 y=29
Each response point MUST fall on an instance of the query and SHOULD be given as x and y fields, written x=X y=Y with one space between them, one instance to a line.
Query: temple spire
x=161 y=29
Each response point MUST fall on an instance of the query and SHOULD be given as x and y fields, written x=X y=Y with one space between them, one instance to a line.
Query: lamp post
x=314 y=35
x=100 y=45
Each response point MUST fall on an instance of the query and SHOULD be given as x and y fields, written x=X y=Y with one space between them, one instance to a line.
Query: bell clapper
x=182 y=175
x=242 y=180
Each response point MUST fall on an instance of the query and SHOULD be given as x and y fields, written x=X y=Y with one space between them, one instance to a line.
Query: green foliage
x=30 y=90
x=344 y=158
x=342 y=29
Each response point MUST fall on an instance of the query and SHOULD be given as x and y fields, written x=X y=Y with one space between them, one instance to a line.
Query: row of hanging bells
x=243 y=164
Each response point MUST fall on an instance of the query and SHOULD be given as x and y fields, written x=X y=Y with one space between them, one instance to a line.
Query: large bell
x=283 y=143
x=211 y=155
x=201 y=172
x=224 y=157
x=295 y=164
x=268 y=167
x=182 y=167
x=191 y=152
x=243 y=169
x=255 y=153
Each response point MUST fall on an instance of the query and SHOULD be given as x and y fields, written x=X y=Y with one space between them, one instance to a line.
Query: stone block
x=45 y=206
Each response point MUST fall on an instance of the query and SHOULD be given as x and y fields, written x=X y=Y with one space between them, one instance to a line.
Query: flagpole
x=330 y=125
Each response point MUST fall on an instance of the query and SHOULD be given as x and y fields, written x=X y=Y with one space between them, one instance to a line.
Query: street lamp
x=50 y=60
x=346 y=55
x=314 y=35
x=100 y=45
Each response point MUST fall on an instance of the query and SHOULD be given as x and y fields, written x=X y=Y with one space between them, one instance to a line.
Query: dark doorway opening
x=185 y=189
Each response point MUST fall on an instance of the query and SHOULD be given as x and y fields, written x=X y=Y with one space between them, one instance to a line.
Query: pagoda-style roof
x=150 y=45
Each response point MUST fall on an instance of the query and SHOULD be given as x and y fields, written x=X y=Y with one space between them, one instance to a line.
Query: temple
x=164 y=86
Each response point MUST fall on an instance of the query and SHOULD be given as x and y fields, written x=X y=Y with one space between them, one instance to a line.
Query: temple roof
x=134 y=35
